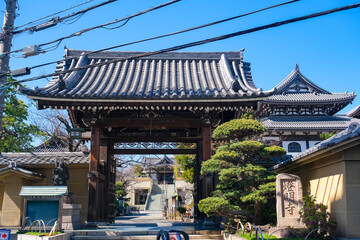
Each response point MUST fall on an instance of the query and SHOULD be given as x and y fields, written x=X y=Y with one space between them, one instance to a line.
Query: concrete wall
x=11 y=204
x=136 y=184
x=352 y=167
x=77 y=183
x=325 y=180
x=2 y=188
x=180 y=183
x=334 y=179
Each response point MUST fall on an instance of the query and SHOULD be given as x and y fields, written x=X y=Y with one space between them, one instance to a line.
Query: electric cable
x=201 y=42
x=161 y=36
x=126 y=19
x=194 y=28
x=69 y=16
x=37 y=20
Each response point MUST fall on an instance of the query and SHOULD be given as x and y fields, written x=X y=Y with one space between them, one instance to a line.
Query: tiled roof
x=174 y=75
x=337 y=122
x=352 y=131
x=43 y=158
x=297 y=89
x=291 y=98
x=55 y=144
x=355 y=112
x=296 y=75
x=151 y=162
x=13 y=166
x=27 y=191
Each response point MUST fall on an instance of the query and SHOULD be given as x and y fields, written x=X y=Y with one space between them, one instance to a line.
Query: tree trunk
x=257 y=212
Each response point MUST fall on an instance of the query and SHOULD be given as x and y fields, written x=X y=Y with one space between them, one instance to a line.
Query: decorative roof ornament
x=297 y=67
x=297 y=90
x=12 y=164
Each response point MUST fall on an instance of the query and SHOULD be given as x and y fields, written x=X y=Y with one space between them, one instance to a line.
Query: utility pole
x=5 y=48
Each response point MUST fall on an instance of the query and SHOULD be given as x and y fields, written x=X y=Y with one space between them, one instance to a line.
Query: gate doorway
x=169 y=97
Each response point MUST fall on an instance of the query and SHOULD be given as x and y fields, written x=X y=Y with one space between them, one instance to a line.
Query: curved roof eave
x=183 y=76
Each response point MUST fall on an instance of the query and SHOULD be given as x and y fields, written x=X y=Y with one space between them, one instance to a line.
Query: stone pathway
x=144 y=217
x=144 y=226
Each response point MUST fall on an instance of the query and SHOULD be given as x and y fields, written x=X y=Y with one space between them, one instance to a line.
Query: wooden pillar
x=208 y=179
x=197 y=183
x=93 y=181
x=206 y=136
x=203 y=185
x=103 y=193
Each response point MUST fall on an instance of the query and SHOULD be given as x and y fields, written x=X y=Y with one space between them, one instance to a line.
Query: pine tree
x=244 y=183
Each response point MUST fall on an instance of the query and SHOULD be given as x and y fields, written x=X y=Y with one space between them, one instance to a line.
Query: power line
x=126 y=19
x=201 y=42
x=193 y=28
x=54 y=21
x=67 y=9
x=157 y=37
x=26 y=71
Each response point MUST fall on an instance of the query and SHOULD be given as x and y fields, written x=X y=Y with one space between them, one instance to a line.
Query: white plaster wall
x=312 y=143
x=271 y=138
x=285 y=145
x=180 y=184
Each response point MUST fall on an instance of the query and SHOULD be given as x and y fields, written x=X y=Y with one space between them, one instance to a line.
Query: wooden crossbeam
x=162 y=124
x=153 y=151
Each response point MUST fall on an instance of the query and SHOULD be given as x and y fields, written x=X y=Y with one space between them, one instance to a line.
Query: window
x=294 y=147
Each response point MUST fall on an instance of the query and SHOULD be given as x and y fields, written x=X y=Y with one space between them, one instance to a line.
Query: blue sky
x=326 y=48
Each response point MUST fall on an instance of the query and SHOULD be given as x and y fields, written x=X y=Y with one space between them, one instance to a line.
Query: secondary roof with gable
x=157 y=162
x=166 y=78
x=297 y=90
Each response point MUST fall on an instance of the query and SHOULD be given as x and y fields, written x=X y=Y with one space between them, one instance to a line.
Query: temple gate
x=166 y=98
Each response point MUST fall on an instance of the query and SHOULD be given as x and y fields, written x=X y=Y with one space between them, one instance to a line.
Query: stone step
x=142 y=237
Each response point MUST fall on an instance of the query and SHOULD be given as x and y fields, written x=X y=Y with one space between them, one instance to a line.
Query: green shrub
x=315 y=216
x=181 y=210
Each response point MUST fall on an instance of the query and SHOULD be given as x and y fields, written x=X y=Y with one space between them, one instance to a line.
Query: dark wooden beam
x=197 y=182
x=102 y=195
x=155 y=123
x=93 y=168
x=207 y=184
x=153 y=151
x=158 y=138
x=206 y=136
